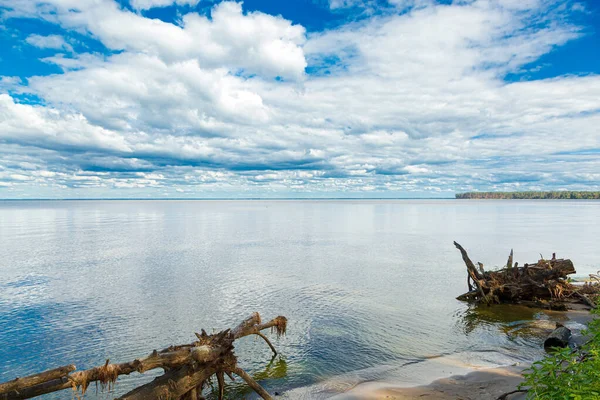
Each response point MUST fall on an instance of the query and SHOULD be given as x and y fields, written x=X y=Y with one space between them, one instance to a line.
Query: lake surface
x=364 y=284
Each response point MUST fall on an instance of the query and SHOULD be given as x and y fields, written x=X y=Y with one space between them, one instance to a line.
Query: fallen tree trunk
x=20 y=384
x=187 y=367
x=545 y=279
x=176 y=384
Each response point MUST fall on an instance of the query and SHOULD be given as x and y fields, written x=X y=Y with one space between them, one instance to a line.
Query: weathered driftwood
x=589 y=293
x=546 y=279
x=20 y=384
x=187 y=368
x=175 y=384
x=558 y=338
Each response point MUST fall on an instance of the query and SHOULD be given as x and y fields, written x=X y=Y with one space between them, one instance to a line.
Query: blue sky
x=299 y=98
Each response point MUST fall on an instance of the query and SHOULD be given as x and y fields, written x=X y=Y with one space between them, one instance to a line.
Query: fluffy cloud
x=48 y=128
x=402 y=102
x=137 y=92
x=253 y=43
x=48 y=42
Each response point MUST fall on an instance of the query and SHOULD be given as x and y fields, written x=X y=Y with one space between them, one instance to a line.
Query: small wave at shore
x=500 y=366
x=408 y=374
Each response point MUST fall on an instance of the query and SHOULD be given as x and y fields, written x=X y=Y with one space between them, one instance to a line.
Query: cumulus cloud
x=253 y=42
x=9 y=83
x=409 y=101
x=56 y=42
x=141 y=92
x=48 y=128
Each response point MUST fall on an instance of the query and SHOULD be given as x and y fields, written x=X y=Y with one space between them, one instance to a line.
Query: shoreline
x=467 y=375
x=484 y=383
x=422 y=378
x=476 y=385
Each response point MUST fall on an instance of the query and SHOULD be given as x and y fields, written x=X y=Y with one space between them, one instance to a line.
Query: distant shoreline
x=458 y=196
x=562 y=195
x=229 y=198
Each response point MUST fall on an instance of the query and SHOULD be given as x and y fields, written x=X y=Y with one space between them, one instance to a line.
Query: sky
x=297 y=98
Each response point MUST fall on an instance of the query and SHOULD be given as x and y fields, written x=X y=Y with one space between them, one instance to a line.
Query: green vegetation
x=567 y=374
x=574 y=195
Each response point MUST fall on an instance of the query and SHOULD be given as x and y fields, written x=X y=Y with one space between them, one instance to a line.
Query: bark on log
x=544 y=280
x=187 y=366
x=472 y=272
x=108 y=373
x=19 y=384
x=182 y=381
x=467 y=260
x=172 y=385
x=558 y=338
x=509 y=263
x=585 y=300
x=38 y=390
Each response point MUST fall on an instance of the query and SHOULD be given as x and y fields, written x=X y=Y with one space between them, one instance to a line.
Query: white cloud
x=140 y=92
x=413 y=101
x=56 y=42
x=45 y=127
x=9 y=83
x=254 y=42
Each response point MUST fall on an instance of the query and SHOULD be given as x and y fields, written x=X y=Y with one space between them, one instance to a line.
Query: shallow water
x=364 y=284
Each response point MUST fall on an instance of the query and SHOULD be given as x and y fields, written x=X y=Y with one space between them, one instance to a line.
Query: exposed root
x=546 y=280
x=221 y=382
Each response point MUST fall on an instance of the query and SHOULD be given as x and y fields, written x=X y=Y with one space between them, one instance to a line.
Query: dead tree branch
x=187 y=367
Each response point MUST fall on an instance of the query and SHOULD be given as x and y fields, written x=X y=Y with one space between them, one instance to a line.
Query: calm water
x=363 y=283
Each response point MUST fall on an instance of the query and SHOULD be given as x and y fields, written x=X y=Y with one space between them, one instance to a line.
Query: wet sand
x=465 y=375
x=471 y=383
x=478 y=385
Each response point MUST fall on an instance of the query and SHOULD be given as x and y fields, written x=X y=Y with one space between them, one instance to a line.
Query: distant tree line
x=574 y=195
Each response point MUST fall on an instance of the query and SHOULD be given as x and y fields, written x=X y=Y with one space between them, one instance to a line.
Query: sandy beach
x=477 y=385
x=466 y=378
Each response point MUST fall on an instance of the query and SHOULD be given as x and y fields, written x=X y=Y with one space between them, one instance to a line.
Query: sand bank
x=477 y=385
x=474 y=381
x=470 y=375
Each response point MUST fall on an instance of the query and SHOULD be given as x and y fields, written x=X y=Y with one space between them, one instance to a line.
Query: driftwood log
x=187 y=368
x=543 y=280
x=20 y=384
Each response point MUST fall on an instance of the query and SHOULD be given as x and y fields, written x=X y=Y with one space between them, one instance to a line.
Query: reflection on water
x=498 y=315
x=275 y=372
x=517 y=330
x=364 y=284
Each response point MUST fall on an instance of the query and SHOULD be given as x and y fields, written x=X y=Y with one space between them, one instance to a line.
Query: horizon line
x=225 y=198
